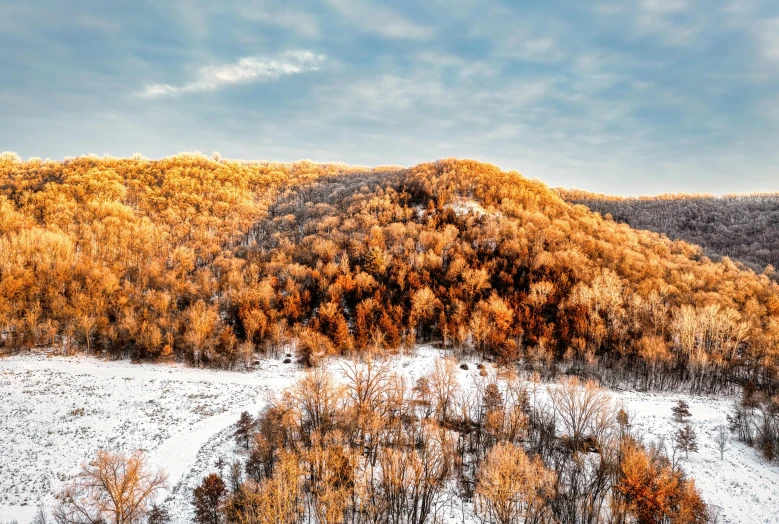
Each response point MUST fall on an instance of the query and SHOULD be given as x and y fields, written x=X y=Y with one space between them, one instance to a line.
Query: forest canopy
x=209 y=260
x=740 y=226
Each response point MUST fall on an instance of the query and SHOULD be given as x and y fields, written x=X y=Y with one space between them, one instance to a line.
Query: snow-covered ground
x=56 y=412
x=743 y=485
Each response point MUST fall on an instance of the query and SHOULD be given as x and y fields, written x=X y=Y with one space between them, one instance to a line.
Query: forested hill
x=209 y=260
x=742 y=227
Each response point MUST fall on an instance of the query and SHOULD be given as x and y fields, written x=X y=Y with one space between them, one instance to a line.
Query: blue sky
x=638 y=97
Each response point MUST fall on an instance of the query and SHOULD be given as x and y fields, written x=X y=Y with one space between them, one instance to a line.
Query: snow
x=743 y=485
x=463 y=206
x=56 y=412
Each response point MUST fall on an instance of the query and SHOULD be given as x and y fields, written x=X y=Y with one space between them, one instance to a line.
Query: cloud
x=298 y=21
x=372 y=18
x=769 y=36
x=247 y=70
x=672 y=23
x=665 y=6
x=518 y=36
x=542 y=49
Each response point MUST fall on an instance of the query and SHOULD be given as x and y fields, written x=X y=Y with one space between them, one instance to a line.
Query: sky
x=621 y=97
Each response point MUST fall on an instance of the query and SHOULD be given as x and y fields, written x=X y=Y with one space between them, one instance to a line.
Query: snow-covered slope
x=743 y=485
x=56 y=412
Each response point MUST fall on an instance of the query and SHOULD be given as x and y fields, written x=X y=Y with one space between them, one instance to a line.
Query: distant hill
x=209 y=260
x=742 y=227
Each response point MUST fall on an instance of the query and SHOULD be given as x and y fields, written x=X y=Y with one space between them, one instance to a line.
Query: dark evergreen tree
x=158 y=515
x=686 y=440
x=243 y=429
x=681 y=411
x=207 y=499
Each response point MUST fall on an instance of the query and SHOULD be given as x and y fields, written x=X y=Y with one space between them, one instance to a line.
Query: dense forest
x=742 y=227
x=210 y=260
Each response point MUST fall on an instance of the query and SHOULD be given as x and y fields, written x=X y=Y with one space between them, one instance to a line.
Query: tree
x=681 y=411
x=511 y=487
x=444 y=385
x=202 y=321
x=582 y=409
x=40 y=516
x=655 y=492
x=207 y=499
x=722 y=439
x=255 y=323
x=275 y=500
x=114 y=487
x=243 y=429
x=686 y=440
x=158 y=515
x=313 y=347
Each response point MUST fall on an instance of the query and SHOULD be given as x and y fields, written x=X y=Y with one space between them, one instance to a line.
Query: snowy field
x=56 y=412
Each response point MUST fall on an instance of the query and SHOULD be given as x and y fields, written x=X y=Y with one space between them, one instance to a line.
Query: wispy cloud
x=247 y=70
x=769 y=36
x=665 y=6
x=516 y=36
x=370 y=17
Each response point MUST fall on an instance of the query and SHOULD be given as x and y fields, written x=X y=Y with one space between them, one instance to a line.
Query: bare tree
x=582 y=408
x=445 y=386
x=723 y=440
x=113 y=488
x=40 y=515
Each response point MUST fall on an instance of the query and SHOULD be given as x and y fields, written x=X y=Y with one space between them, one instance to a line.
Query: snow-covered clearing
x=743 y=485
x=56 y=412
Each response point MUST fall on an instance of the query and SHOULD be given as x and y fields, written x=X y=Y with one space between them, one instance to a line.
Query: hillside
x=209 y=260
x=742 y=227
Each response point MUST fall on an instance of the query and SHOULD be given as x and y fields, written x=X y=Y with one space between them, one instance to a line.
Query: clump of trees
x=366 y=445
x=209 y=260
x=755 y=421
